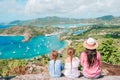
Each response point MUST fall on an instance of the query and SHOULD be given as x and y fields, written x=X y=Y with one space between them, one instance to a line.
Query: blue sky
x=29 y=9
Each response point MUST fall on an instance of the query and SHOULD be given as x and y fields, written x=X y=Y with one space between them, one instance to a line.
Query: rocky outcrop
x=27 y=36
x=45 y=76
x=31 y=68
x=109 y=72
x=109 y=69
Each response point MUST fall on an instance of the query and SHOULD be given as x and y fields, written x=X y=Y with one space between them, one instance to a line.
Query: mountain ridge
x=51 y=20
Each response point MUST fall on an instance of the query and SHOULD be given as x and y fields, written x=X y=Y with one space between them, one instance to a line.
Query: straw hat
x=90 y=43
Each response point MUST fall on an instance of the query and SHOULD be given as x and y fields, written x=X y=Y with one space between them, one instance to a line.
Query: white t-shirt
x=74 y=72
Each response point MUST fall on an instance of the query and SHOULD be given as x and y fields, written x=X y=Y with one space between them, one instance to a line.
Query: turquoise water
x=3 y=26
x=13 y=47
x=69 y=25
x=78 y=32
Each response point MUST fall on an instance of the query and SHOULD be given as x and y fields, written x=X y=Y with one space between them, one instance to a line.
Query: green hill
x=47 y=21
x=108 y=17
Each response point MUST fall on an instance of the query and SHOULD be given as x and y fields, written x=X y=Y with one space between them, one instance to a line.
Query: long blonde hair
x=54 y=56
x=71 y=52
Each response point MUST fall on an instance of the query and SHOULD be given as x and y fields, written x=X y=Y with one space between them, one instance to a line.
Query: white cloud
x=40 y=6
x=72 y=7
x=99 y=8
x=54 y=6
x=11 y=7
x=63 y=8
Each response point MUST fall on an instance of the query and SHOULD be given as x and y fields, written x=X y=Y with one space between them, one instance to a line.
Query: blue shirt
x=55 y=68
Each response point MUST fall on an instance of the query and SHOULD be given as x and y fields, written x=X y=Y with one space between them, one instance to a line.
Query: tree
x=109 y=52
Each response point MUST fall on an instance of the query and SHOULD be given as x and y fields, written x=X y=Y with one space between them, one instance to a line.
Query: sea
x=12 y=47
x=3 y=26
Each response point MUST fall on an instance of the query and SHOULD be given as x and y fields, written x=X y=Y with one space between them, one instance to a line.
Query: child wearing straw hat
x=91 y=59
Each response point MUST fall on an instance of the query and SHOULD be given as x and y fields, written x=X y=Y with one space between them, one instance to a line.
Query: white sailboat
x=14 y=52
x=27 y=48
x=0 y=53
x=19 y=46
x=34 y=50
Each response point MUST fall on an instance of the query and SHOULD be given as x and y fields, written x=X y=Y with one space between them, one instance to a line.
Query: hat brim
x=90 y=46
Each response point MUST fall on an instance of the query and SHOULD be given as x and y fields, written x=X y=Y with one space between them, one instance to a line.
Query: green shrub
x=6 y=65
x=109 y=52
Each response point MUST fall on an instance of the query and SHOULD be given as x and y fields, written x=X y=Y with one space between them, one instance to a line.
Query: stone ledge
x=46 y=77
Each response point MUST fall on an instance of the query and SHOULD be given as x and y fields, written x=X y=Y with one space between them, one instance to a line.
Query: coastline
x=26 y=37
x=68 y=42
x=10 y=35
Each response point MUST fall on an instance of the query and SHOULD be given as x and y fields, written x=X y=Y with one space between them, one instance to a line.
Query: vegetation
x=113 y=35
x=1 y=31
x=6 y=65
x=42 y=60
x=110 y=52
x=29 y=31
x=108 y=37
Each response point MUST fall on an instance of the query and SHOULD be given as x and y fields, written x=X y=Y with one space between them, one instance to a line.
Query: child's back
x=55 y=68
x=72 y=72
x=71 y=64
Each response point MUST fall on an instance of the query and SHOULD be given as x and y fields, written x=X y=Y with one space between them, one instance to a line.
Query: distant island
x=27 y=31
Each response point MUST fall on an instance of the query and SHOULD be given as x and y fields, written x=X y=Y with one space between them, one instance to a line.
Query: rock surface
x=46 y=77
x=112 y=74
x=38 y=72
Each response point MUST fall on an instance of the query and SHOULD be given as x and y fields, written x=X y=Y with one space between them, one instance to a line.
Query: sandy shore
x=62 y=49
x=68 y=42
x=10 y=35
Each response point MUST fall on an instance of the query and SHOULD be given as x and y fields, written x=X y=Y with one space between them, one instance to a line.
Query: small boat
x=52 y=34
x=34 y=50
x=48 y=34
x=38 y=52
x=47 y=46
x=42 y=40
x=27 y=47
x=48 y=41
x=0 y=53
x=73 y=26
x=19 y=46
x=14 y=52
